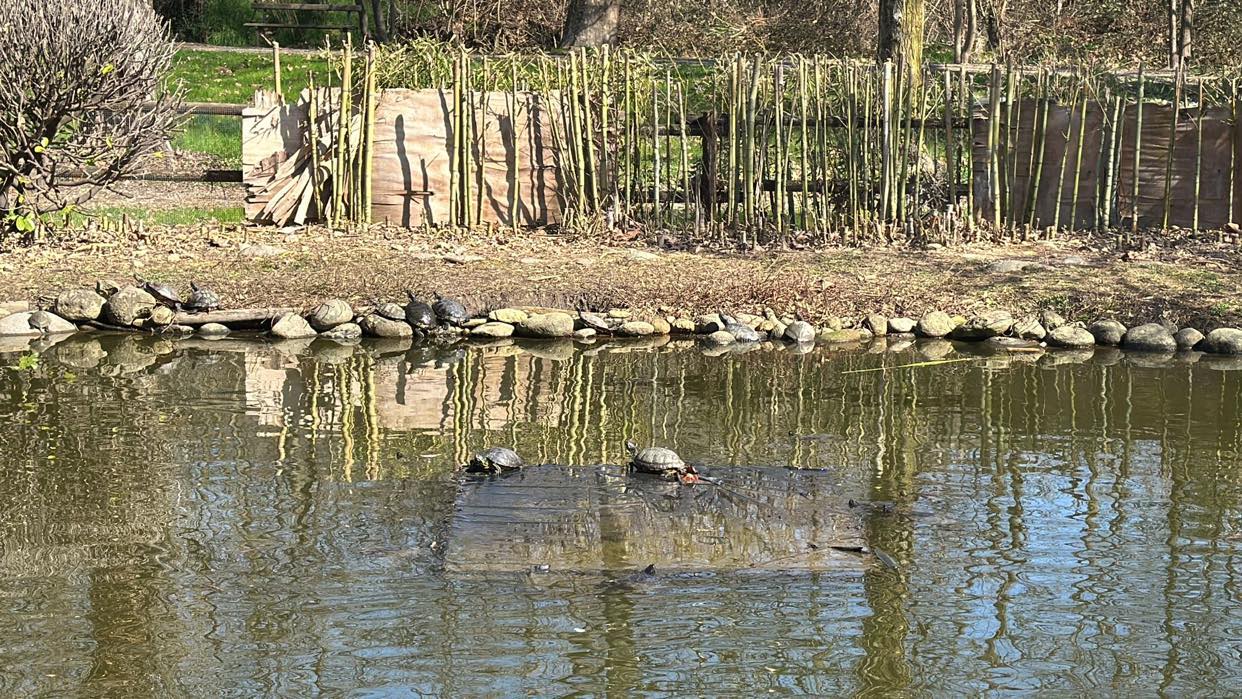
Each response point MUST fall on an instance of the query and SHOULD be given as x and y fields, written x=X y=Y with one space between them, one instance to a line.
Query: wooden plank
x=306 y=7
x=236 y=315
x=286 y=25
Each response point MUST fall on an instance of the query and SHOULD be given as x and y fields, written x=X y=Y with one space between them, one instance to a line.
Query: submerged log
x=236 y=316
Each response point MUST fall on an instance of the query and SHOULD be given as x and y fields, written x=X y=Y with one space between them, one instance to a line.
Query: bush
x=81 y=100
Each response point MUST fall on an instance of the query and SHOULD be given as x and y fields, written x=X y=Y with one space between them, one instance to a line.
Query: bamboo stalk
x=1082 y=137
x=369 y=137
x=1032 y=184
x=967 y=109
x=1065 y=155
x=1042 y=134
x=748 y=159
x=655 y=146
x=1199 y=154
x=803 y=141
x=685 y=151
x=340 y=175
x=778 y=98
x=993 y=153
x=1138 y=152
x=735 y=87
x=1233 y=146
x=312 y=115
x=588 y=125
x=886 y=137
x=1172 y=146
x=918 y=151
x=280 y=92
x=950 y=161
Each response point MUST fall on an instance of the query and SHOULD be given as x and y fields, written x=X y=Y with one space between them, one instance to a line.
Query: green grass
x=168 y=217
x=232 y=78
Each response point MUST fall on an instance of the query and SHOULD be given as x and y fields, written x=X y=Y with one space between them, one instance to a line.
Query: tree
x=901 y=34
x=591 y=23
x=81 y=100
x=965 y=29
x=1181 y=31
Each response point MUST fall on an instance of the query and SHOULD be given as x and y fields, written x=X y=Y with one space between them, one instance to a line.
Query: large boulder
x=1187 y=338
x=843 y=335
x=18 y=325
x=901 y=326
x=636 y=328
x=1029 y=329
x=1074 y=336
x=1149 y=337
x=345 y=332
x=1051 y=320
x=935 y=324
x=1107 y=332
x=495 y=330
x=213 y=331
x=376 y=325
x=79 y=305
x=291 y=326
x=554 y=324
x=1223 y=341
x=799 y=332
x=127 y=306
x=512 y=316
x=330 y=314
x=982 y=326
x=708 y=324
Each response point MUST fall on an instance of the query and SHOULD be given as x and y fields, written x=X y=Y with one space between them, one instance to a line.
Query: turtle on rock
x=201 y=299
x=450 y=311
x=390 y=310
x=658 y=461
x=495 y=461
x=163 y=294
x=418 y=314
x=739 y=330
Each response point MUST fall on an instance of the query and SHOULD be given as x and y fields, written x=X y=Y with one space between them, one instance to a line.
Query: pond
x=245 y=518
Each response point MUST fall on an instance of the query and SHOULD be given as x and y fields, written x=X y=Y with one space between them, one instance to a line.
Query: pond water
x=242 y=518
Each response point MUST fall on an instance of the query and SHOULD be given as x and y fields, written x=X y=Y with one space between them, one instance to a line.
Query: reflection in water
x=233 y=516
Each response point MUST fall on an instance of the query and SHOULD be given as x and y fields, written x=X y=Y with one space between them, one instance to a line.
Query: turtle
x=390 y=310
x=202 y=299
x=450 y=311
x=495 y=460
x=418 y=314
x=658 y=461
x=740 y=331
x=163 y=293
x=883 y=507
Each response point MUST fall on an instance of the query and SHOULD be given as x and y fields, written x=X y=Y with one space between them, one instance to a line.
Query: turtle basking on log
x=418 y=314
x=495 y=461
x=450 y=311
x=658 y=461
x=202 y=299
x=163 y=294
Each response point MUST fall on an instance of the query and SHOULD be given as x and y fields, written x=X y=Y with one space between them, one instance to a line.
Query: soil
x=1194 y=280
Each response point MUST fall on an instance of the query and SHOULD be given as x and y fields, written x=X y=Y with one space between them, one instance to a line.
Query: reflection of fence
x=765 y=150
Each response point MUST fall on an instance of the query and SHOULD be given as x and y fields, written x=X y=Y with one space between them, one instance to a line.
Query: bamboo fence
x=762 y=150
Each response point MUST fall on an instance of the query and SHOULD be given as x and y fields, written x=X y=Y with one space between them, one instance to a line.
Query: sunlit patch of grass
x=215 y=135
x=223 y=76
x=165 y=217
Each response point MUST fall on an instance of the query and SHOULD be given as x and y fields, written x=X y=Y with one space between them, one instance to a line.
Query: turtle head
x=410 y=295
x=631 y=447
x=193 y=286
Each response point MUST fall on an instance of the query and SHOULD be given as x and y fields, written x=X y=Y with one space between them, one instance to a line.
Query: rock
x=985 y=325
x=161 y=316
x=555 y=324
x=584 y=334
x=935 y=324
x=1029 y=329
x=636 y=328
x=18 y=325
x=619 y=314
x=642 y=256
x=79 y=305
x=1168 y=325
x=512 y=316
x=593 y=321
x=179 y=329
x=749 y=319
x=877 y=323
x=1012 y=266
x=682 y=326
x=128 y=305
x=1107 y=332
x=494 y=330
x=1149 y=337
x=1012 y=344
x=292 y=326
x=1223 y=341
x=843 y=335
x=1187 y=338
x=660 y=326
x=374 y=325
x=901 y=326
x=462 y=259
x=708 y=324
x=829 y=323
x=474 y=323
x=330 y=314
x=1051 y=320
x=1071 y=336
x=260 y=250
x=719 y=337
x=213 y=330
x=345 y=332
x=799 y=331
x=778 y=329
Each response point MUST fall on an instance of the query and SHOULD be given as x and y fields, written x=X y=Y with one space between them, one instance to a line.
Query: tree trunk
x=995 y=24
x=1186 y=25
x=591 y=23
x=381 y=27
x=901 y=34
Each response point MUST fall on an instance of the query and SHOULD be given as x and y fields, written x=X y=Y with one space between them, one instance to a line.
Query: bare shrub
x=81 y=100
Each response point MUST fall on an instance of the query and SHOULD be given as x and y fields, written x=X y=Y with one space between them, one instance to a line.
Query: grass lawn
x=182 y=216
x=233 y=78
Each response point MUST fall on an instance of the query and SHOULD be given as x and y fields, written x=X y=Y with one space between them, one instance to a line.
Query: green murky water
x=249 y=519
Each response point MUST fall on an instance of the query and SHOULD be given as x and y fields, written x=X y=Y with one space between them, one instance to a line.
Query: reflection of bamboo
x=344 y=384
x=366 y=367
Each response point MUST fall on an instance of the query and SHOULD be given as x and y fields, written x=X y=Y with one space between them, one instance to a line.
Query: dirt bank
x=1194 y=283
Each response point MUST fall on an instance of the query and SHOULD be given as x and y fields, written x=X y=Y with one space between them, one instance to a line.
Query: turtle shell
x=419 y=314
x=657 y=460
x=163 y=293
x=202 y=298
x=740 y=331
x=391 y=311
x=495 y=460
x=450 y=311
